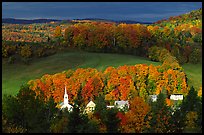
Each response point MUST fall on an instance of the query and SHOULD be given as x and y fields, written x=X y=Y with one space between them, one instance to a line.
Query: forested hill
x=193 y=17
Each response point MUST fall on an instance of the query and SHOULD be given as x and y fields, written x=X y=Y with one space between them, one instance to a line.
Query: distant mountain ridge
x=25 y=21
x=132 y=22
x=116 y=21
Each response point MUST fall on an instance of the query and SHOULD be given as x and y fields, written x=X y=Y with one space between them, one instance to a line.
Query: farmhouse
x=122 y=104
x=90 y=107
x=176 y=97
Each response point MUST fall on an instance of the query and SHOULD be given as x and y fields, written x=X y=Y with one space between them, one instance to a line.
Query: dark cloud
x=140 y=11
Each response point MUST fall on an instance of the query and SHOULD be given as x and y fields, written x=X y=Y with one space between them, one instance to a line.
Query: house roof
x=91 y=104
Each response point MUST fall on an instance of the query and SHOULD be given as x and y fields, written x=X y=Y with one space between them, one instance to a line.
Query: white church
x=89 y=108
x=66 y=104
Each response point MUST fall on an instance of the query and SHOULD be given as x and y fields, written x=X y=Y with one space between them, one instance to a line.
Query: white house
x=122 y=104
x=66 y=104
x=153 y=98
x=176 y=97
x=90 y=107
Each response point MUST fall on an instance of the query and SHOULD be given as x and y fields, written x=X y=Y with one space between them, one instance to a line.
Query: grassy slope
x=15 y=75
x=194 y=74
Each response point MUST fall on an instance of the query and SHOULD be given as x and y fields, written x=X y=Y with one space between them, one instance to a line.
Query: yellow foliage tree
x=135 y=122
x=58 y=31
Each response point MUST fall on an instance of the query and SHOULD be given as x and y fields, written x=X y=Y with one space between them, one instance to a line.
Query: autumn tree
x=68 y=35
x=190 y=122
x=135 y=117
x=26 y=51
x=58 y=32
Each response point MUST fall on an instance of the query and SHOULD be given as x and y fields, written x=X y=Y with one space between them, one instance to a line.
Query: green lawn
x=14 y=75
x=194 y=74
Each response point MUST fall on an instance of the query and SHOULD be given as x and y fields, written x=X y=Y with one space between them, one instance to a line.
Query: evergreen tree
x=50 y=111
x=111 y=120
x=107 y=116
x=29 y=111
x=100 y=105
x=11 y=111
x=161 y=115
x=33 y=108
x=191 y=103
x=59 y=122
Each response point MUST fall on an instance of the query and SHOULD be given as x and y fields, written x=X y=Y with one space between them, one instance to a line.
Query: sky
x=136 y=11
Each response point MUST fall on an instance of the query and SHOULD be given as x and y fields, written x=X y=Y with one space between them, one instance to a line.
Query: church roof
x=69 y=107
x=61 y=104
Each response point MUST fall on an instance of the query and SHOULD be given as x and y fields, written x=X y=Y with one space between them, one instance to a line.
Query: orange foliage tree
x=122 y=83
x=134 y=121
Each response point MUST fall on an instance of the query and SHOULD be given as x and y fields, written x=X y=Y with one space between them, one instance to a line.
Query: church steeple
x=65 y=97
x=66 y=102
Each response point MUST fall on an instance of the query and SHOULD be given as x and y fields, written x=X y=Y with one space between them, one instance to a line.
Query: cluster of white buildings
x=174 y=97
x=90 y=107
x=121 y=105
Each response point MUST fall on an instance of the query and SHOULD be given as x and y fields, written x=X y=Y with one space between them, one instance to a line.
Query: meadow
x=14 y=75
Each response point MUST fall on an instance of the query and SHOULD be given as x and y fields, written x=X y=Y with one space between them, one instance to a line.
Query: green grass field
x=194 y=74
x=14 y=75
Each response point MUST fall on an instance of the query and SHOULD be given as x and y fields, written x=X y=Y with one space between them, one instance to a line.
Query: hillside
x=40 y=32
x=192 y=16
x=17 y=74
